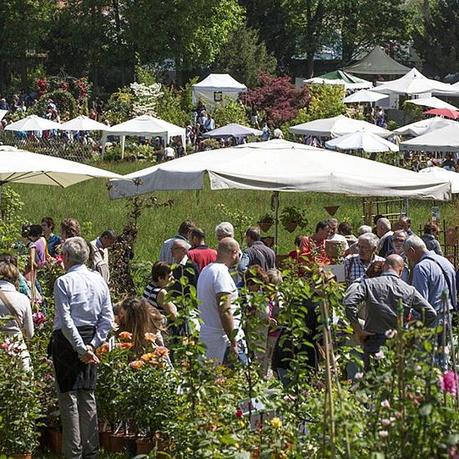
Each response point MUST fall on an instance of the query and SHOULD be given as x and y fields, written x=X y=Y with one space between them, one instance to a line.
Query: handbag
x=11 y=310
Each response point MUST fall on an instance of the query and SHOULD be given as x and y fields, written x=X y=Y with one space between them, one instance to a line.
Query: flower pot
x=291 y=226
x=105 y=440
x=265 y=226
x=144 y=445
x=55 y=440
x=117 y=443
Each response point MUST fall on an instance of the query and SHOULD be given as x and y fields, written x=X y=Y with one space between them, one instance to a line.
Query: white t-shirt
x=214 y=279
x=169 y=152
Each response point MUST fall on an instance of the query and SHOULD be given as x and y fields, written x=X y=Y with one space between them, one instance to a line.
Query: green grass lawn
x=89 y=202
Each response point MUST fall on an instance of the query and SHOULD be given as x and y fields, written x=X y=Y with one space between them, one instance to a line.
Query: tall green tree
x=312 y=23
x=437 y=37
x=23 y=27
x=245 y=56
x=365 y=23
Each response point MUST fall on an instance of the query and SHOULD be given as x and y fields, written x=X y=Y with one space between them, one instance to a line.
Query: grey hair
x=76 y=248
x=224 y=229
x=385 y=223
x=275 y=276
x=414 y=242
x=364 y=229
x=371 y=238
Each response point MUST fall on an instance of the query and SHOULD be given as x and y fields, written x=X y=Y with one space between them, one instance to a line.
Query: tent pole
x=275 y=207
x=123 y=141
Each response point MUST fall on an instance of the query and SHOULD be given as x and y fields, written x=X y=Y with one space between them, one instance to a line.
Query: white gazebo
x=439 y=173
x=337 y=126
x=432 y=102
x=445 y=140
x=144 y=126
x=83 y=123
x=361 y=141
x=215 y=88
x=279 y=165
x=32 y=123
x=364 y=96
x=424 y=126
x=233 y=130
x=20 y=166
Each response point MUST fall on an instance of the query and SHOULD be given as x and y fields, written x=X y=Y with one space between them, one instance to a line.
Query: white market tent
x=20 y=166
x=361 y=141
x=441 y=140
x=232 y=130
x=32 y=123
x=337 y=126
x=432 y=102
x=364 y=96
x=424 y=126
x=278 y=165
x=83 y=123
x=3 y=113
x=215 y=88
x=414 y=82
x=144 y=126
x=439 y=173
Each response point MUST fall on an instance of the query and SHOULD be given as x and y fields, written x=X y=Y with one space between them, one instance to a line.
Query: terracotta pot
x=22 y=456
x=291 y=227
x=105 y=440
x=55 y=440
x=117 y=443
x=265 y=226
x=144 y=445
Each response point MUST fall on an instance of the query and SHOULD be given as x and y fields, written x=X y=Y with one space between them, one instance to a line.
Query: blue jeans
x=241 y=354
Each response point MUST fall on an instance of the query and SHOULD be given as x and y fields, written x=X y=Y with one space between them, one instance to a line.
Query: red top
x=313 y=251
x=202 y=255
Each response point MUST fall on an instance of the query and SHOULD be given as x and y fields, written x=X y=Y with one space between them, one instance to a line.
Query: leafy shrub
x=230 y=111
x=64 y=100
x=120 y=106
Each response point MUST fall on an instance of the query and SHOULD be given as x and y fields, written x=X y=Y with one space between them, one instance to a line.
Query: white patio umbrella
x=278 y=165
x=3 y=113
x=20 y=166
x=364 y=96
x=362 y=141
x=432 y=102
x=233 y=130
x=439 y=173
x=336 y=126
x=442 y=140
x=424 y=126
x=83 y=123
x=32 y=123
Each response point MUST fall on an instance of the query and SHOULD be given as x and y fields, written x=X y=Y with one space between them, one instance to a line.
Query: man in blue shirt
x=83 y=319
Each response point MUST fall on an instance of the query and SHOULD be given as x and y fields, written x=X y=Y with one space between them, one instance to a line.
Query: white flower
x=379 y=355
x=391 y=333
x=386 y=422
x=358 y=375
x=385 y=404
x=383 y=433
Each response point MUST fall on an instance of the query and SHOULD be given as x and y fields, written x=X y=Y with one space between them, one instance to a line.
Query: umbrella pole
x=275 y=207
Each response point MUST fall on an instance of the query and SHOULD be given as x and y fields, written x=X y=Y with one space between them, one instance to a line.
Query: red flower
x=239 y=413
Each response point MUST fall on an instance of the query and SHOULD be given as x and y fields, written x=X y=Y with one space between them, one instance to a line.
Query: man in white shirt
x=217 y=293
x=100 y=248
x=334 y=236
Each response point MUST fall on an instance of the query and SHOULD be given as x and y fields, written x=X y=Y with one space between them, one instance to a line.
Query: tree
x=278 y=98
x=23 y=25
x=189 y=33
x=244 y=57
x=437 y=37
x=365 y=23
x=312 y=22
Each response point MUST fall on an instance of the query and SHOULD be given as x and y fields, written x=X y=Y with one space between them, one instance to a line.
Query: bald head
x=228 y=251
x=395 y=264
x=179 y=243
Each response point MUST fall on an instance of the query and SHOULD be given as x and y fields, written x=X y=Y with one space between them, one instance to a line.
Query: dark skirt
x=71 y=373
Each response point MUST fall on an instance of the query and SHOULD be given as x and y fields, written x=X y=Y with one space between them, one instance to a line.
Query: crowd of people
x=384 y=266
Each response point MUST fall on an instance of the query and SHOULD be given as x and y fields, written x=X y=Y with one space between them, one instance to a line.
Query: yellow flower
x=137 y=364
x=276 y=423
x=148 y=357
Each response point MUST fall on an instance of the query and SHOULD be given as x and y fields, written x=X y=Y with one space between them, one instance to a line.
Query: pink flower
x=390 y=333
x=386 y=422
x=383 y=433
x=448 y=382
x=385 y=404
x=38 y=319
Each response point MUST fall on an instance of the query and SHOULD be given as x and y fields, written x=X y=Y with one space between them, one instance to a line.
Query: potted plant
x=266 y=221
x=291 y=217
x=19 y=403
